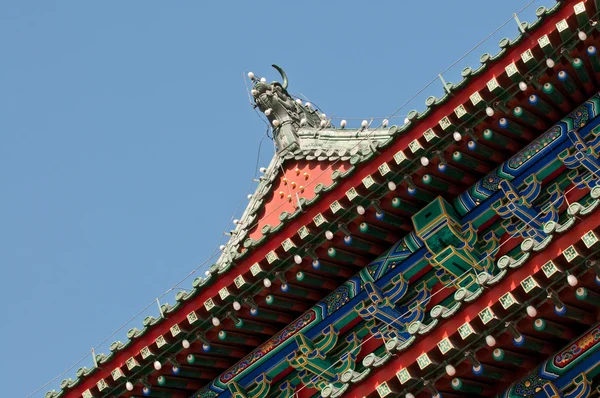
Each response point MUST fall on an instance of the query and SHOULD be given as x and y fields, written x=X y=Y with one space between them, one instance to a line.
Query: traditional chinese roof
x=317 y=188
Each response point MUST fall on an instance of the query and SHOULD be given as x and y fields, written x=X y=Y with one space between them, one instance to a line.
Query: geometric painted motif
x=522 y=217
x=321 y=364
x=389 y=320
x=526 y=158
x=584 y=155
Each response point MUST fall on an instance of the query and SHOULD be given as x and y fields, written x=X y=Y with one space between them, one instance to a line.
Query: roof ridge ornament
x=285 y=114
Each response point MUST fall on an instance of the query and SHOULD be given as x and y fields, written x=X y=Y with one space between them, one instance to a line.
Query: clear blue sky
x=127 y=140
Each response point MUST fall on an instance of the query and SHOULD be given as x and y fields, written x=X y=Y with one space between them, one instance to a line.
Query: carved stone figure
x=285 y=114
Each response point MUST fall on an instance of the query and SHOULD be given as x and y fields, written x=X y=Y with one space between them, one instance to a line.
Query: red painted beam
x=471 y=312
x=476 y=84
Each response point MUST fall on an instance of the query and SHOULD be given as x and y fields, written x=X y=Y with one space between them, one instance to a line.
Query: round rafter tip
x=522 y=86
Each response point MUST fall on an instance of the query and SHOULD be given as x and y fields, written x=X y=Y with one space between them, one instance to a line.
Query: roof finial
x=285 y=114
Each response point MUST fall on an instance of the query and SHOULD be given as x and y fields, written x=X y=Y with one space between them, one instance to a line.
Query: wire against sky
x=216 y=251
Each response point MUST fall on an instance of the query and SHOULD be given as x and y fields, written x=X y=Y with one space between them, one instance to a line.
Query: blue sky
x=127 y=141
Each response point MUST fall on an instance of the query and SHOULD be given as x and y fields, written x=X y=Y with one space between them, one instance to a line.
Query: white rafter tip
x=392 y=186
x=157 y=365
x=582 y=36
x=531 y=311
x=254 y=92
x=185 y=344
x=298 y=101
x=360 y=210
x=522 y=86
x=250 y=75
x=490 y=341
x=298 y=259
x=385 y=122
x=489 y=111
x=216 y=321
x=207 y=273
x=267 y=282
x=237 y=306
x=572 y=280
x=129 y=386
x=457 y=136
x=249 y=196
x=550 y=63
x=450 y=370
x=343 y=123
x=329 y=235
x=275 y=122
x=308 y=105
x=409 y=395
x=263 y=80
x=263 y=169
x=323 y=123
x=424 y=161
x=364 y=124
x=222 y=247
x=406 y=120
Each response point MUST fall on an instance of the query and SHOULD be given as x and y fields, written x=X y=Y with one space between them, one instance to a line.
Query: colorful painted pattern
x=554 y=367
x=205 y=393
x=337 y=299
x=535 y=147
x=269 y=346
x=526 y=158
x=529 y=386
x=565 y=357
